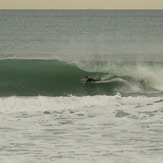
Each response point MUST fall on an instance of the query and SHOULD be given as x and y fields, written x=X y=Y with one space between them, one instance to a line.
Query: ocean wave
x=35 y=77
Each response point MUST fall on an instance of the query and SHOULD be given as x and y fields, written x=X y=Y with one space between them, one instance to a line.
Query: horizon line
x=74 y=9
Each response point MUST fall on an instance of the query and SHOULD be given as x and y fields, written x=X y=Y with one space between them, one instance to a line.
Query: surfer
x=90 y=80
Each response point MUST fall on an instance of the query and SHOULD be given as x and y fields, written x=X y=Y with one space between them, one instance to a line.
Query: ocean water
x=47 y=112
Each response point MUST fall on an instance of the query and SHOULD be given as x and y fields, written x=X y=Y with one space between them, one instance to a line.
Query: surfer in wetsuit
x=89 y=80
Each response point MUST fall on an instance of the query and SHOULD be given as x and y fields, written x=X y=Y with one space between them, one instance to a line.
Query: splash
x=136 y=75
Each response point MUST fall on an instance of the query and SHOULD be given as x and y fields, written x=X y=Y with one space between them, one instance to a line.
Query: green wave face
x=43 y=77
x=55 y=78
x=38 y=77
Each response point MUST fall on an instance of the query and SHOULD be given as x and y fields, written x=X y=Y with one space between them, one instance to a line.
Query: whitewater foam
x=81 y=128
x=43 y=103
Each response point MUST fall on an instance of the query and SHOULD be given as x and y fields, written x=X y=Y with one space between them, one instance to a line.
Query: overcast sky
x=81 y=4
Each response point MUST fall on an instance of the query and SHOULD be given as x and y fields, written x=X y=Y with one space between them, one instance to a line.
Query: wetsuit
x=89 y=80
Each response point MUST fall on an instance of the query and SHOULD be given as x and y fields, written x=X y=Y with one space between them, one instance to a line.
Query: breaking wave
x=57 y=78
